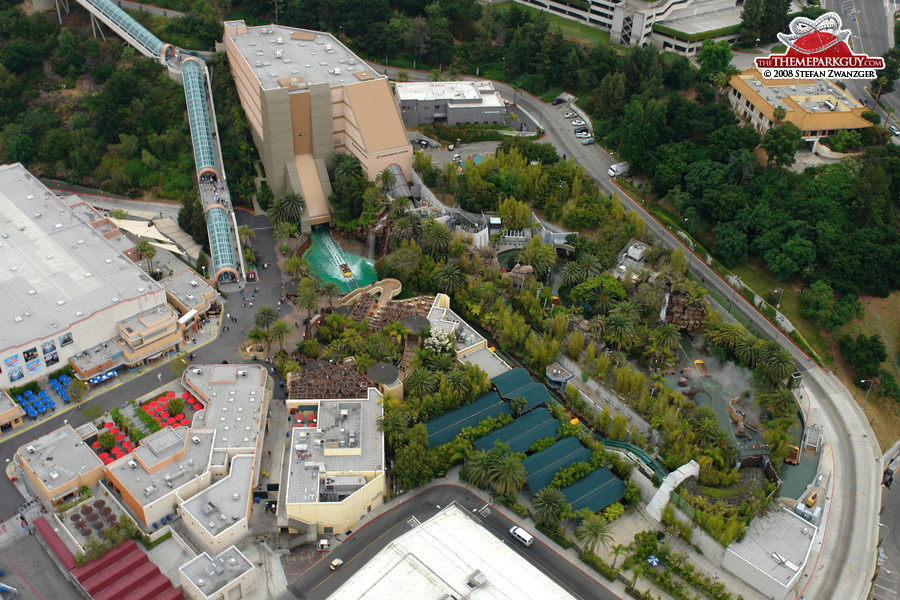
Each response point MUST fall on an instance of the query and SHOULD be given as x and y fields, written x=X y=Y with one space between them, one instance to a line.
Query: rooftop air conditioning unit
x=132 y=464
x=242 y=373
x=195 y=439
x=197 y=371
x=193 y=283
x=278 y=53
x=279 y=40
x=30 y=449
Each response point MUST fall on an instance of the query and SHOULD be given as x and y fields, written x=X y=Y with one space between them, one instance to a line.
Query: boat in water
x=345 y=269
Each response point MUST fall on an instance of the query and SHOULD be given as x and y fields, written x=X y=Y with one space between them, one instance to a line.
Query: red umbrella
x=129 y=450
x=170 y=395
x=108 y=425
x=157 y=418
x=191 y=399
x=114 y=430
x=127 y=444
x=106 y=461
x=120 y=437
x=179 y=416
x=185 y=395
x=171 y=421
x=164 y=414
x=95 y=445
x=185 y=422
x=198 y=406
x=147 y=409
x=104 y=455
x=161 y=399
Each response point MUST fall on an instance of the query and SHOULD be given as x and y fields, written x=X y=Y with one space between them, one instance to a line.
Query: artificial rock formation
x=688 y=318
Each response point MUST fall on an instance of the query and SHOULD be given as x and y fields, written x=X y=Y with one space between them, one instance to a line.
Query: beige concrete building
x=227 y=576
x=818 y=108
x=55 y=466
x=308 y=97
x=11 y=414
x=335 y=471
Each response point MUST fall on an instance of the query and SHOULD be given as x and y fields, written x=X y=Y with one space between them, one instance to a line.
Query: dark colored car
x=558 y=101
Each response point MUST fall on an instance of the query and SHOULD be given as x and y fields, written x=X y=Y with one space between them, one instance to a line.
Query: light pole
x=780 y=294
x=204 y=270
x=869 y=381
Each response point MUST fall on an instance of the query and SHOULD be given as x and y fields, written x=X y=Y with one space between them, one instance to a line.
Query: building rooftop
x=481 y=93
x=163 y=462
x=59 y=457
x=212 y=574
x=811 y=104
x=455 y=327
x=293 y=58
x=345 y=440
x=235 y=397
x=189 y=289
x=224 y=503
x=777 y=545
x=489 y=362
x=6 y=402
x=57 y=270
x=449 y=556
x=147 y=320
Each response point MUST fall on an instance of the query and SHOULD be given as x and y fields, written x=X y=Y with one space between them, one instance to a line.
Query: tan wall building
x=308 y=97
x=227 y=576
x=57 y=465
x=11 y=414
x=818 y=108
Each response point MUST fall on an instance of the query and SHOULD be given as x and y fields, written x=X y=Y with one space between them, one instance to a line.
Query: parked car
x=558 y=101
x=578 y=123
x=582 y=130
x=588 y=141
x=336 y=564
x=894 y=130
x=571 y=115
x=583 y=134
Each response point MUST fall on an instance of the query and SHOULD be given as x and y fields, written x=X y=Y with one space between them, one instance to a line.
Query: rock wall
x=688 y=318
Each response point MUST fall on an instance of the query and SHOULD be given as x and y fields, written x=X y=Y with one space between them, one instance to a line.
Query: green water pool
x=325 y=257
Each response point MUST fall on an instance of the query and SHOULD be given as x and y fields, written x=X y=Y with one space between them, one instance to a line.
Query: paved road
x=887 y=581
x=319 y=581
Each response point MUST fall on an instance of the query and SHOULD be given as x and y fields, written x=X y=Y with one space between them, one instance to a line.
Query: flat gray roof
x=342 y=425
x=458 y=330
x=441 y=557
x=309 y=56
x=59 y=457
x=480 y=93
x=234 y=402
x=780 y=533
x=148 y=487
x=216 y=573
x=56 y=269
x=489 y=362
x=188 y=287
x=224 y=503
x=6 y=402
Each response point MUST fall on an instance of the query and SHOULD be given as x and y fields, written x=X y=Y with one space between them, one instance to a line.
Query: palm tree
x=477 y=470
x=279 y=331
x=246 y=233
x=539 y=255
x=292 y=206
x=704 y=424
x=405 y=227
x=486 y=292
x=518 y=405
x=592 y=531
x=296 y=265
x=548 y=506
x=387 y=179
x=393 y=424
x=148 y=251
x=265 y=316
x=346 y=166
x=420 y=382
x=776 y=361
x=308 y=295
x=589 y=265
x=746 y=350
x=435 y=235
x=619 y=329
x=617 y=551
x=508 y=475
x=440 y=363
x=448 y=278
x=457 y=382
x=331 y=290
x=571 y=275
x=668 y=336
x=399 y=206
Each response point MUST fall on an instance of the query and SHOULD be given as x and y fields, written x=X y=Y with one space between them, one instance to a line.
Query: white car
x=583 y=135
x=571 y=115
x=578 y=123
x=894 y=130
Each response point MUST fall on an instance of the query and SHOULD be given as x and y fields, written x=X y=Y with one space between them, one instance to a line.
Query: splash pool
x=326 y=258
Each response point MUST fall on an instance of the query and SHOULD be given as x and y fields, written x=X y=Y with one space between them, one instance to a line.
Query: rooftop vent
x=195 y=439
x=132 y=464
x=30 y=449
x=193 y=283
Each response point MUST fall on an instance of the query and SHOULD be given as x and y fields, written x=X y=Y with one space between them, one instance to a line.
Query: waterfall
x=662 y=311
x=370 y=254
